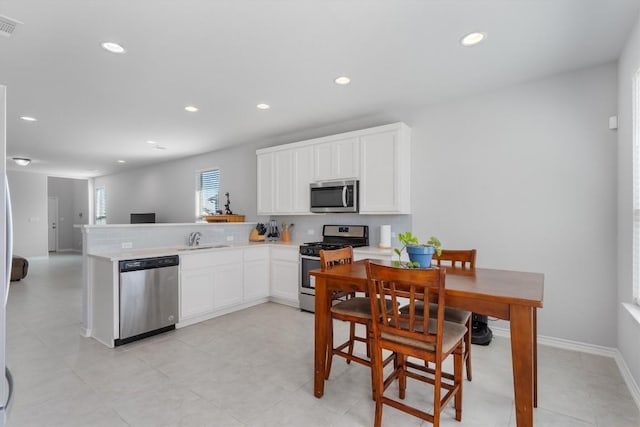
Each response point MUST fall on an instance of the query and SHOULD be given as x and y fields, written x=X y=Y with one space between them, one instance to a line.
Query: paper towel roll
x=385 y=236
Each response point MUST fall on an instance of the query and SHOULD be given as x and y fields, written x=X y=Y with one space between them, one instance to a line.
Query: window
x=636 y=187
x=101 y=205
x=207 y=189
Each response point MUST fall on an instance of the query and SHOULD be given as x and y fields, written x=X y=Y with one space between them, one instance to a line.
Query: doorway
x=52 y=217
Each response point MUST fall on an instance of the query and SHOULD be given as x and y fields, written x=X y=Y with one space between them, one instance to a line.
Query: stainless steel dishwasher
x=148 y=297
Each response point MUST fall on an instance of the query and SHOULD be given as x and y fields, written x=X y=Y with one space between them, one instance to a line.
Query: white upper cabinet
x=386 y=172
x=379 y=157
x=266 y=189
x=338 y=159
x=302 y=177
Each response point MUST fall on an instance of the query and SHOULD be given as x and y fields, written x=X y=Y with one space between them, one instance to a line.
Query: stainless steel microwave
x=334 y=196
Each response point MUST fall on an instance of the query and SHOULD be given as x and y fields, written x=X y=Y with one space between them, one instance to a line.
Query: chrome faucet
x=194 y=238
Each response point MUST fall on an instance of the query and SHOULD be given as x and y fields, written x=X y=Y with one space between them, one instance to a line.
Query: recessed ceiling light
x=113 y=47
x=191 y=108
x=122 y=161
x=263 y=106
x=151 y=142
x=28 y=119
x=472 y=39
x=342 y=80
x=21 y=161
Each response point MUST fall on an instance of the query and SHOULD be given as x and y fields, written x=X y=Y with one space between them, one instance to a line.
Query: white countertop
x=371 y=251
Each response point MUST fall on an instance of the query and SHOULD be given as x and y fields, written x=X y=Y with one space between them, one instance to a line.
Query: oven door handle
x=313 y=258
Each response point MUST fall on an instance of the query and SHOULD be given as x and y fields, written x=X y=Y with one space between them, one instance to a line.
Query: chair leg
x=352 y=335
x=402 y=377
x=535 y=358
x=467 y=349
x=327 y=370
x=437 y=384
x=377 y=376
x=457 y=380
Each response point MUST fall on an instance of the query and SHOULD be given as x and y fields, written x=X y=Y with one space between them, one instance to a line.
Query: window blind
x=101 y=205
x=208 y=189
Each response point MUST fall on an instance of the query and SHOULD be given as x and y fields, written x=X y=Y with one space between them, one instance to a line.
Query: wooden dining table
x=508 y=295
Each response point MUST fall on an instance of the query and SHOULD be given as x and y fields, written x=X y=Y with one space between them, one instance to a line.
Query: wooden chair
x=458 y=259
x=355 y=310
x=412 y=335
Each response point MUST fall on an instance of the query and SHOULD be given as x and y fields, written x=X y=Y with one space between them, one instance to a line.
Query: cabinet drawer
x=209 y=258
x=285 y=253
x=257 y=253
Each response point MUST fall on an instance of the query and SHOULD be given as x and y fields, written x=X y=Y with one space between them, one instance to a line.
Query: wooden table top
x=511 y=287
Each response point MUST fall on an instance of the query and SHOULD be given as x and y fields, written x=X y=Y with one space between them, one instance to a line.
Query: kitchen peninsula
x=225 y=273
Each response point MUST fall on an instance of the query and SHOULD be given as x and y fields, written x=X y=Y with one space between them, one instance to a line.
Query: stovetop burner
x=336 y=237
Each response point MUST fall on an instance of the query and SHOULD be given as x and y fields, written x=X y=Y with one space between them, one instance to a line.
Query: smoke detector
x=8 y=25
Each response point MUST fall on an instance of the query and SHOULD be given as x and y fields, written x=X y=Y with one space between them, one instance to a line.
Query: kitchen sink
x=195 y=248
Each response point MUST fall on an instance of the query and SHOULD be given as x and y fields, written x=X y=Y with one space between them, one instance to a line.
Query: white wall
x=628 y=328
x=168 y=189
x=527 y=176
x=29 y=203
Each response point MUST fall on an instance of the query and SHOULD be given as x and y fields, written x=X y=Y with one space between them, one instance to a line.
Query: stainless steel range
x=333 y=237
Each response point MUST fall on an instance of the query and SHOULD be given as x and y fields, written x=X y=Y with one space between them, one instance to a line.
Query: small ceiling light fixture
x=151 y=142
x=263 y=106
x=21 y=161
x=122 y=161
x=28 y=119
x=473 y=39
x=342 y=80
x=113 y=47
x=191 y=108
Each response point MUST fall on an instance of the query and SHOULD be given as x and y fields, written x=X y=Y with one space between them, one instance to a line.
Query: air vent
x=8 y=25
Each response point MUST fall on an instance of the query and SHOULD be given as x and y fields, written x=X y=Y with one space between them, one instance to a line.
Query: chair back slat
x=389 y=284
x=329 y=258
x=456 y=258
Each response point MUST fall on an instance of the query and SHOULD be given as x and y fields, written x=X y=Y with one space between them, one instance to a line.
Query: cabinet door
x=302 y=177
x=265 y=183
x=196 y=292
x=385 y=173
x=284 y=280
x=227 y=278
x=346 y=158
x=227 y=285
x=337 y=159
x=256 y=273
x=283 y=181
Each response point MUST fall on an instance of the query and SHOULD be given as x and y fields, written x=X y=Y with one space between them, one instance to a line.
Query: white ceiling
x=226 y=56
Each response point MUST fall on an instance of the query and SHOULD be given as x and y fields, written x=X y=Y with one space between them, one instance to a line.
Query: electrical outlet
x=394 y=234
x=310 y=232
x=230 y=238
x=127 y=245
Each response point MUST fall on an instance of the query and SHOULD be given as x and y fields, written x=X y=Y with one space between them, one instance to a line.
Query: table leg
x=321 y=324
x=522 y=359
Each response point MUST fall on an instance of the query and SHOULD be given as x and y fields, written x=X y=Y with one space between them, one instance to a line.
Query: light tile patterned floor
x=253 y=368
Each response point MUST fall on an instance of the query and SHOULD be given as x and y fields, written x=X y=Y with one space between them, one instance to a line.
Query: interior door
x=53 y=223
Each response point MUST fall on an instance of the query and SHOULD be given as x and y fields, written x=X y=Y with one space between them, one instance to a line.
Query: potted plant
x=419 y=254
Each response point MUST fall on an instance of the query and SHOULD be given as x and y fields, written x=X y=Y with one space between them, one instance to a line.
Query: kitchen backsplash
x=308 y=228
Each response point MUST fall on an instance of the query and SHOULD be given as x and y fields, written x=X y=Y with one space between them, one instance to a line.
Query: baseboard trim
x=586 y=348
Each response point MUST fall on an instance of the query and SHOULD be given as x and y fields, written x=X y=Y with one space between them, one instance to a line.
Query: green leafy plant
x=408 y=239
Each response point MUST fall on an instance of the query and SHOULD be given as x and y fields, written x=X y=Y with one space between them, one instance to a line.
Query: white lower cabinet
x=256 y=273
x=220 y=281
x=196 y=292
x=209 y=281
x=227 y=279
x=284 y=274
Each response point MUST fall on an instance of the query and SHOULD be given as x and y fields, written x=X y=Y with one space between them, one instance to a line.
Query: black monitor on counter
x=143 y=218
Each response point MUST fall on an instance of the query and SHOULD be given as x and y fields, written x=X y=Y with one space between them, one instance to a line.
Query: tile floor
x=252 y=368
